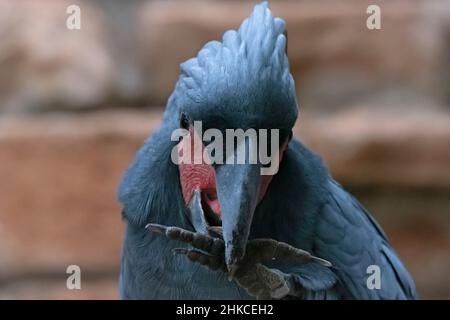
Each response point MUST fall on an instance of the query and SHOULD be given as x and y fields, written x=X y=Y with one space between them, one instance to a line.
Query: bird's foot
x=251 y=273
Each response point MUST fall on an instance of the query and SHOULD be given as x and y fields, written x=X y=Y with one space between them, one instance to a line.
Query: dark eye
x=184 y=122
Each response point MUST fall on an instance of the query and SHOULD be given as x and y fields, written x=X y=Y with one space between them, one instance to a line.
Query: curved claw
x=322 y=262
x=154 y=227
x=180 y=251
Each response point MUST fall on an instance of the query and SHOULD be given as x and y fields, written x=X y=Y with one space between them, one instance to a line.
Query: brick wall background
x=76 y=105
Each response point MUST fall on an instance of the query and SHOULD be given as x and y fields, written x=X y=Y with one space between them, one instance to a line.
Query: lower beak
x=196 y=214
x=237 y=190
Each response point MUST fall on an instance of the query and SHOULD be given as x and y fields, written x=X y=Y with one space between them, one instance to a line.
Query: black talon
x=154 y=227
x=322 y=262
x=180 y=251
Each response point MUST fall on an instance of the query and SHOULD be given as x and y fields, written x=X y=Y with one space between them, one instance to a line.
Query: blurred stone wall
x=76 y=105
x=128 y=52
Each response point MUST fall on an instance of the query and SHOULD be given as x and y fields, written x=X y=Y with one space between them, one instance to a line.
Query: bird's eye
x=184 y=122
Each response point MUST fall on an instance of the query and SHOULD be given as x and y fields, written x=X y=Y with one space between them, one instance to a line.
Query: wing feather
x=350 y=238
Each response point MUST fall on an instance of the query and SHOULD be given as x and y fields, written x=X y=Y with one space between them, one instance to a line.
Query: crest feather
x=257 y=50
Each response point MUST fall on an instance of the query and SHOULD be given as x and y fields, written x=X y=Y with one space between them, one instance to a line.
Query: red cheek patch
x=197 y=176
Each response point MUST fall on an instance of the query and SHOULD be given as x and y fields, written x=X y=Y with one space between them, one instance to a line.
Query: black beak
x=237 y=190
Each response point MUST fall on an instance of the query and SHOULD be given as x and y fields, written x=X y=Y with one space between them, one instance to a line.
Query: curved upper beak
x=237 y=189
